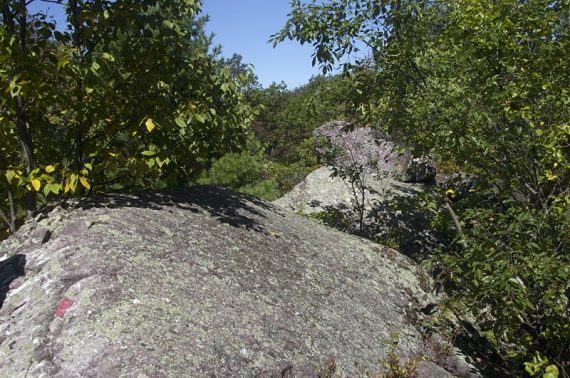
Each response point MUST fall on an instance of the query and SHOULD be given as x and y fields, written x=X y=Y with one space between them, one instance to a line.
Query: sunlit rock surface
x=392 y=209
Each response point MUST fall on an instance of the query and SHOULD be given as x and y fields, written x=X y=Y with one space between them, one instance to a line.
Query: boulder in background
x=368 y=148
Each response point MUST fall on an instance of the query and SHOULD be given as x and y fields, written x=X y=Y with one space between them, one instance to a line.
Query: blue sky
x=244 y=27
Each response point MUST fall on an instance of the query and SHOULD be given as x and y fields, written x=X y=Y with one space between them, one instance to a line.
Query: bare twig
x=456 y=222
x=453 y=216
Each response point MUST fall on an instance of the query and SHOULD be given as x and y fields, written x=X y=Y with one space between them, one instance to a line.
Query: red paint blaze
x=62 y=307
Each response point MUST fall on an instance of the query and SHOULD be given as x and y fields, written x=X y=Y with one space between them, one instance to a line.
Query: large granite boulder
x=201 y=283
x=373 y=151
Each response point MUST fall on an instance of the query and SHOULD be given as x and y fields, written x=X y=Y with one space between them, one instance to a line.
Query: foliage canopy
x=484 y=84
x=127 y=93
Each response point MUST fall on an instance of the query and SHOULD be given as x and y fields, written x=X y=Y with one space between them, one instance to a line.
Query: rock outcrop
x=201 y=282
x=373 y=151
x=391 y=209
x=319 y=192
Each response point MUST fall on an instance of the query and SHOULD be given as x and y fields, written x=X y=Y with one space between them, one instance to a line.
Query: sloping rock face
x=369 y=148
x=200 y=282
x=391 y=210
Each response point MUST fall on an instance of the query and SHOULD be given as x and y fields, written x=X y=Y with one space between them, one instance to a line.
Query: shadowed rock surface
x=201 y=282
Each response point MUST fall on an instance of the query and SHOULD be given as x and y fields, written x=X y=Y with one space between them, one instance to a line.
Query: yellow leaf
x=36 y=184
x=10 y=175
x=149 y=124
x=450 y=192
x=71 y=183
x=50 y=168
x=84 y=182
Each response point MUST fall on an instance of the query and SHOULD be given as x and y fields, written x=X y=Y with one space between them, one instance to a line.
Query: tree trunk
x=26 y=141
x=78 y=140
x=22 y=125
x=10 y=219
x=23 y=131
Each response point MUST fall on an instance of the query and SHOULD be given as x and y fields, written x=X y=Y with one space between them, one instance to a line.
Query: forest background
x=133 y=94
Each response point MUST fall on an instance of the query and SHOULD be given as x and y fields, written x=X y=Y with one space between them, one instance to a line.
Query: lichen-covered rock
x=320 y=191
x=427 y=369
x=199 y=282
x=370 y=149
x=391 y=209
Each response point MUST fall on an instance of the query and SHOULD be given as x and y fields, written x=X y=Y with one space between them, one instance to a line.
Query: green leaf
x=52 y=188
x=62 y=62
x=551 y=371
x=180 y=122
x=200 y=118
x=108 y=57
x=517 y=281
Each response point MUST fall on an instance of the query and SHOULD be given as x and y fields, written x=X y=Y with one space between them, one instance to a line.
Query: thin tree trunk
x=22 y=123
x=6 y=220
x=12 y=211
x=26 y=141
x=10 y=219
x=78 y=142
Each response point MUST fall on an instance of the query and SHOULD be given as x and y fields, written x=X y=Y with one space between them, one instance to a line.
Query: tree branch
x=4 y=218
x=12 y=211
x=455 y=219
x=453 y=216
